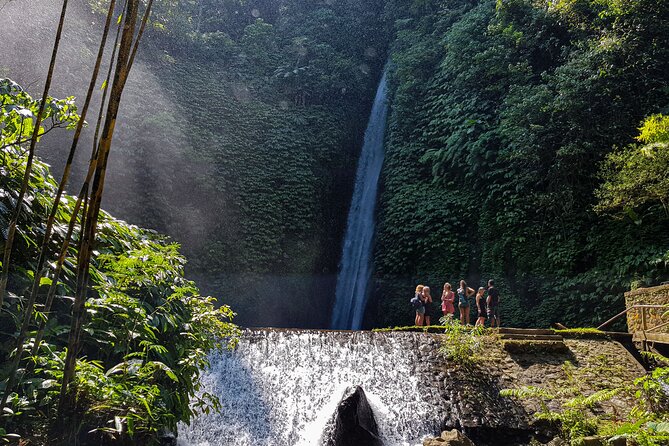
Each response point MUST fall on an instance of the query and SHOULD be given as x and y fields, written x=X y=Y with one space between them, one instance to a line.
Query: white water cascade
x=281 y=388
x=355 y=273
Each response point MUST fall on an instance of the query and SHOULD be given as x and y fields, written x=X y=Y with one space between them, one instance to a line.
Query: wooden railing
x=642 y=334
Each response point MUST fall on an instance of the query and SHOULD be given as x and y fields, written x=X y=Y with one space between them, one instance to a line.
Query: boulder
x=449 y=438
x=353 y=422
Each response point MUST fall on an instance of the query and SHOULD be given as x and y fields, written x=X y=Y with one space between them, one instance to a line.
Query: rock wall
x=472 y=397
x=280 y=387
x=658 y=295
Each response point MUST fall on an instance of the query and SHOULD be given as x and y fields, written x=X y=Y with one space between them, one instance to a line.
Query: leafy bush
x=646 y=424
x=461 y=344
x=147 y=332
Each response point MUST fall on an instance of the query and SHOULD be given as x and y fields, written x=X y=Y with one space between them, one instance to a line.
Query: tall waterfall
x=281 y=388
x=355 y=273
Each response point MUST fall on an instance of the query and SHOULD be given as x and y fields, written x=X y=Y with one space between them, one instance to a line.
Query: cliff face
x=283 y=386
x=237 y=138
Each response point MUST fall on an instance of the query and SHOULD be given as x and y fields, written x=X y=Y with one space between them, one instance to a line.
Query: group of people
x=485 y=299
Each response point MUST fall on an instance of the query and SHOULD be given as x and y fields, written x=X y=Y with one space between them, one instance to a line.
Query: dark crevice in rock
x=490 y=436
x=353 y=422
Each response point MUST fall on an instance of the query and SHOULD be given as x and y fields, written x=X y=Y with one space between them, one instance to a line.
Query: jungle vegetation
x=239 y=138
x=527 y=143
x=518 y=148
x=102 y=336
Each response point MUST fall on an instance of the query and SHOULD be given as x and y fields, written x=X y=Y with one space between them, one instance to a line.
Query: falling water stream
x=355 y=272
x=281 y=388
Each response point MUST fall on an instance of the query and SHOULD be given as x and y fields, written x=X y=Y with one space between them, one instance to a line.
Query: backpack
x=416 y=303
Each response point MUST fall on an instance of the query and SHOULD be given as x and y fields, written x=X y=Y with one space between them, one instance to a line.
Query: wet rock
x=167 y=438
x=449 y=438
x=353 y=422
x=593 y=441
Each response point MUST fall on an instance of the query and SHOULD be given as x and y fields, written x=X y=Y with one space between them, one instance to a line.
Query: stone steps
x=525 y=331
x=530 y=337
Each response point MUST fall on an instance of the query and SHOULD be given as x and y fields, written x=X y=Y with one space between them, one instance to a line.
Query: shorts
x=493 y=312
x=420 y=310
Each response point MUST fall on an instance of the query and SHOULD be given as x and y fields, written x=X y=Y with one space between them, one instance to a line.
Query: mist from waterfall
x=281 y=388
x=356 y=262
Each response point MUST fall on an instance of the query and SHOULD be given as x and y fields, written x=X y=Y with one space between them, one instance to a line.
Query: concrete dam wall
x=290 y=387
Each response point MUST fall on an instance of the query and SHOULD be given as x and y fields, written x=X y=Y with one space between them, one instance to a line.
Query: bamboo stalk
x=24 y=188
x=11 y=231
x=83 y=195
x=14 y=376
x=85 y=252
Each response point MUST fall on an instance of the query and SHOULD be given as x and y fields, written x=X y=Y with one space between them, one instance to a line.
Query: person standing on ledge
x=427 y=301
x=493 y=304
x=420 y=309
x=464 y=293
x=447 y=299
x=481 y=307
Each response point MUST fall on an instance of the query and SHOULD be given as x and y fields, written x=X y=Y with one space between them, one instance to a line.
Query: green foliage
x=638 y=175
x=582 y=333
x=654 y=129
x=425 y=328
x=501 y=115
x=574 y=418
x=582 y=330
x=578 y=415
x=18 y=114
x=462 y=345
x=255 y=146
x=147 y=332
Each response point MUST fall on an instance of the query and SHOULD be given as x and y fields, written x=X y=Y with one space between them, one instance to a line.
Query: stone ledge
x=648 y=290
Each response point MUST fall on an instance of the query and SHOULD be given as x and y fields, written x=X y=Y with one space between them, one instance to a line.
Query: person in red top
x=447 y=299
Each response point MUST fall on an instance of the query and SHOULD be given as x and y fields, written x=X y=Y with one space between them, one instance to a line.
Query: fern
x=581 y=402
x=527 y=392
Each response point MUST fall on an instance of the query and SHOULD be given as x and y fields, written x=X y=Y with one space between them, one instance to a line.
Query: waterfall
x=355 y=273
x=281 y=388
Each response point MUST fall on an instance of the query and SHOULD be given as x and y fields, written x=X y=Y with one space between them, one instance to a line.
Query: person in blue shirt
x=464 y=293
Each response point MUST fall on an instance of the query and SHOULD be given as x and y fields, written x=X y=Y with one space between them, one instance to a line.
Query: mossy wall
x=470 y=394
x=657 y=295
x=238 y=136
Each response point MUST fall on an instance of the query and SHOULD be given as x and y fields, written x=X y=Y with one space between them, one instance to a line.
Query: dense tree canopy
x=502 y=114
x=241 y=139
